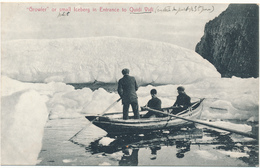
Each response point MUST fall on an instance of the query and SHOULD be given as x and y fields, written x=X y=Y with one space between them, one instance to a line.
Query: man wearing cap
x=182 y=102
x=127 y=88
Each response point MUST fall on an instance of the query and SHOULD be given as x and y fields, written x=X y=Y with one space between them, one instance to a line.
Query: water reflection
x=154 y=141
x=129 y=160
x=227 y=144
x=183 y=147
x=128 y=146
x=154 y=150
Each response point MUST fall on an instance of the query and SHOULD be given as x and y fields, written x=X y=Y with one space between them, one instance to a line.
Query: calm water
x=187 y=147
x=197 y=146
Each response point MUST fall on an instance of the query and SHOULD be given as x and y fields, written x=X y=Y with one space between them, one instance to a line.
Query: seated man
x=154 y=103
x=182 y=102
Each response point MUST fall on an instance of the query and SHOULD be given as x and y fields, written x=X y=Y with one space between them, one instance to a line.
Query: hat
x=125 y=71
x=180 y=88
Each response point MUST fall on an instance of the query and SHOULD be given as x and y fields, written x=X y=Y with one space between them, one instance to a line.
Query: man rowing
x=127 y=88
x=182 y=102
x=154 y=103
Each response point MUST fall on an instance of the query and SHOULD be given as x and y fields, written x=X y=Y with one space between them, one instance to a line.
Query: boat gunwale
x=148 y=120
x=144 y=121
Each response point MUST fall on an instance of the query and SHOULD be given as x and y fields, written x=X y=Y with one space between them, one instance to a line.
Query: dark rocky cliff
x=231 y=41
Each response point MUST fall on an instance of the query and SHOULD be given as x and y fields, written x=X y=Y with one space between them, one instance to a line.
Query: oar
x=110 y=107
x=209 y=125
x=218 y=108
x=95 y=118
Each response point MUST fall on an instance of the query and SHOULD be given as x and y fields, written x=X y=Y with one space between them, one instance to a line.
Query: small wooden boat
x=144 y=125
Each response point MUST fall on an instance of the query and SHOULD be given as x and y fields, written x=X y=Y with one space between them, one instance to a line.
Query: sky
x=182 y=28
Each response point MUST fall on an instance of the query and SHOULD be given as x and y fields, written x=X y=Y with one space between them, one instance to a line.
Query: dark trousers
x=149 y=114
x=126 y=110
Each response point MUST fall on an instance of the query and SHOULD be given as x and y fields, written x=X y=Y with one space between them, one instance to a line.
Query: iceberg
x=84 y=60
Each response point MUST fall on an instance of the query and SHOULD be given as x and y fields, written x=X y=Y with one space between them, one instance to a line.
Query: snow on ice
x=102 y=59
x=27 y=106
x=24 y=115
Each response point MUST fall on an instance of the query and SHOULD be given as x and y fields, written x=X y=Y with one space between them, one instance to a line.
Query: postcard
x=129 y=84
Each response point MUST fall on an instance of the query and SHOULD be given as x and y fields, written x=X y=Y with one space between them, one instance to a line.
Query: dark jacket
x=127 y=88
x=183 y=100
x=155 y=103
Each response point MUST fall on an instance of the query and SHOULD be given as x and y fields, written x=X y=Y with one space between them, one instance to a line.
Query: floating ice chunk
x=105 y=141
x=252 y=119
x=228 y=125
x=252 y=102
x=101 y=100
x=10 y=86
x=68 y=160
x=24 y=115
x=233 y=154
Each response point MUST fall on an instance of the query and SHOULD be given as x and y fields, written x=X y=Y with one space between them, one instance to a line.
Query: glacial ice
x=101 y=59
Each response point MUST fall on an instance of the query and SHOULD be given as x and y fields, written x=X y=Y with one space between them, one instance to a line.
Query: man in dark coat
x=127 y=88
x=154 y=103
x=182 y=102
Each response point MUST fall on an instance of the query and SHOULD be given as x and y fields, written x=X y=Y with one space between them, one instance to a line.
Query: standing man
x=127 y=88
x=182 y=102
